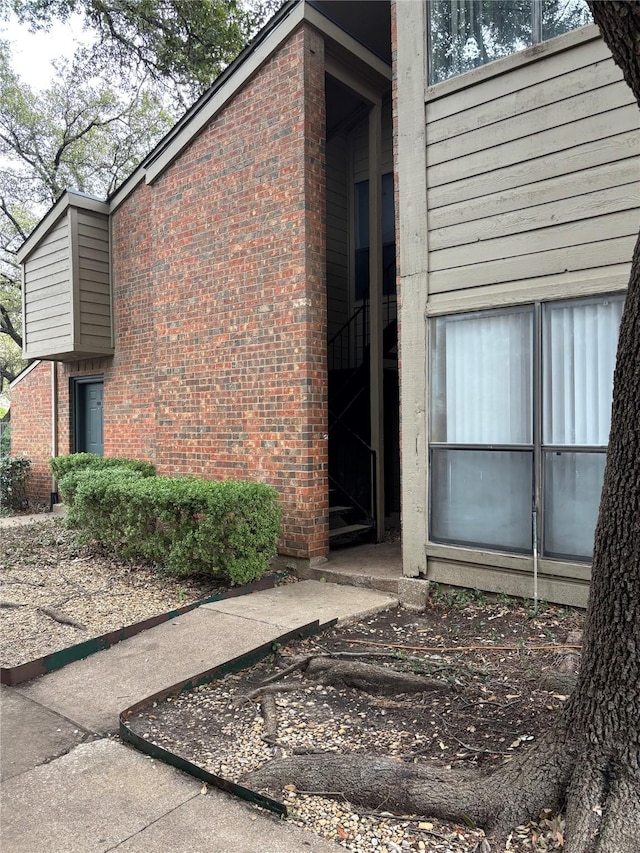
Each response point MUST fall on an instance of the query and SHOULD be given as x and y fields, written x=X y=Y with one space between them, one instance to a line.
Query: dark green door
x=89 y=418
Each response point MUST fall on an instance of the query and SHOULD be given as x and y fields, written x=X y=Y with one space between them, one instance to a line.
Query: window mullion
x=538 y=491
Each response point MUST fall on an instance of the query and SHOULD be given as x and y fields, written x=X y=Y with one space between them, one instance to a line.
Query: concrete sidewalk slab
x=103 y=796
x=31 y=734
x=93 y=691
x=217 y=823
x=283 y=606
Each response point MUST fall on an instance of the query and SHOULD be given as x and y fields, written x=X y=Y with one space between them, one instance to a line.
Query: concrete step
x=348 y=529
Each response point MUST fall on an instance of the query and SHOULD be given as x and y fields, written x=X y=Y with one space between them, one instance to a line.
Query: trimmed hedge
x=14 y=473
x=68 y=470
x=186 y=525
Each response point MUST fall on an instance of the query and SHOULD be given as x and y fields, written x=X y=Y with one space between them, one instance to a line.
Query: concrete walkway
x=69 y=787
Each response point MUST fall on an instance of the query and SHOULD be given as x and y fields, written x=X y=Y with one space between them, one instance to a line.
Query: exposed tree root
x=498 y=801
x=368 y=677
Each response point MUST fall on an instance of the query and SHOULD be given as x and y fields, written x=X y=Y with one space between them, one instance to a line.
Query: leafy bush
x=5 y=441
x=13 y=477
x=68 y=469
x=187 y=525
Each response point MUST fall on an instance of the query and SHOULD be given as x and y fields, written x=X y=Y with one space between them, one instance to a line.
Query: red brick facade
x=31 y=428
x=218 y=273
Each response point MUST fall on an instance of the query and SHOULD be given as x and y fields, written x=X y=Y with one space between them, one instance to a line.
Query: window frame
x=538 y=448
x=537 y=38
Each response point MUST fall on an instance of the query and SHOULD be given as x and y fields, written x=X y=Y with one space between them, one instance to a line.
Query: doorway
x=88 y=421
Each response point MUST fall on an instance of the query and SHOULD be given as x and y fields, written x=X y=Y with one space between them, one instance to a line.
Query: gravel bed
x=42 y=566
x=488 y=709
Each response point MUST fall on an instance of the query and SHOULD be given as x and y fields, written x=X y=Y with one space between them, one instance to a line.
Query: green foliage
x=186 y=42
x=5 y=441
x=13 y=478
x=453 y=596
x=68 y=470
x=186 y=525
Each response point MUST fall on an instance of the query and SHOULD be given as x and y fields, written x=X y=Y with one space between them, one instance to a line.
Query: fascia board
x=24 y=373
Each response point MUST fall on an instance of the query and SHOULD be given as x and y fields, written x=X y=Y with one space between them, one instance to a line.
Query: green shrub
x=68 y=469
x=186 y=525
x=5 y=441
x=13 y=477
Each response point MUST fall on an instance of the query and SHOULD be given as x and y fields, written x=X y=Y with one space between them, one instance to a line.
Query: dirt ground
x=487 y=655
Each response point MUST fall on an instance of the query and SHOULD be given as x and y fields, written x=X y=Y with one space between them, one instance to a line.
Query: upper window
x=464 y=34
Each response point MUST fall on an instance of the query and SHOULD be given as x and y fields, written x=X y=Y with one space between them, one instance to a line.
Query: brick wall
x=31 y=426
x=218 y=273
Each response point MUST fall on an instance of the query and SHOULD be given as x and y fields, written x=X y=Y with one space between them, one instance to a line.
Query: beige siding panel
x=530 y=153
x=95 y=231
x=564 y=211
x=573 y=186
x=98 y=297
x=599 y=253
x=527 y=75
x=56 y=305
x=585 y=156
x=59 y=246
x=582 y=82
x=52 y=325
x=47 y=265
x=87 y=245
x=518 y=127
x=44 y=341
x=564 y=285
x=94 y=265
x=95 y=331
x=94 y=279
x=93 y=312
x=541 y=240
x=59 y=282
x=58 y=293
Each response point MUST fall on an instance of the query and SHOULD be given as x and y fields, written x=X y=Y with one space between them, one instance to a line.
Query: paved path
x=69 y=787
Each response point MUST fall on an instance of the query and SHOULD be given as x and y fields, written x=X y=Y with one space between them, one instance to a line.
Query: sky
x=33 y=52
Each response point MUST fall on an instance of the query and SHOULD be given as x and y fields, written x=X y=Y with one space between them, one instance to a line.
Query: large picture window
x=520 y=407
x=464 y=34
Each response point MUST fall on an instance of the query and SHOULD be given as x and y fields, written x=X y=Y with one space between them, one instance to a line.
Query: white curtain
x=579 y=351
x=483 y=378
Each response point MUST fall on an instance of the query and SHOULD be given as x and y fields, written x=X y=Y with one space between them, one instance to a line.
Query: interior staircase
x=352 y=460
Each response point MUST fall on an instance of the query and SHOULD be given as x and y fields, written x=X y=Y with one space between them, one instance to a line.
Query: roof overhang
x=70 y=198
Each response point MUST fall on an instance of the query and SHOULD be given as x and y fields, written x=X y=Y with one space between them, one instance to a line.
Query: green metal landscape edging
x=241 y=662
x=12 y=675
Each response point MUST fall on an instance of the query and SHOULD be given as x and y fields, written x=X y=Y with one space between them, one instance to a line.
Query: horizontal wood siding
x=67 y=296
x=94 y=301
x=533 y=174
x=47 y=293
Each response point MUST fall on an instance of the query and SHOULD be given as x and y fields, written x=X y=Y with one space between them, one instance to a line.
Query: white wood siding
x=532 y=174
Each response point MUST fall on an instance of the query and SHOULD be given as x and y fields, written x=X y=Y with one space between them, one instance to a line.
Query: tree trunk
x=592 y=759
